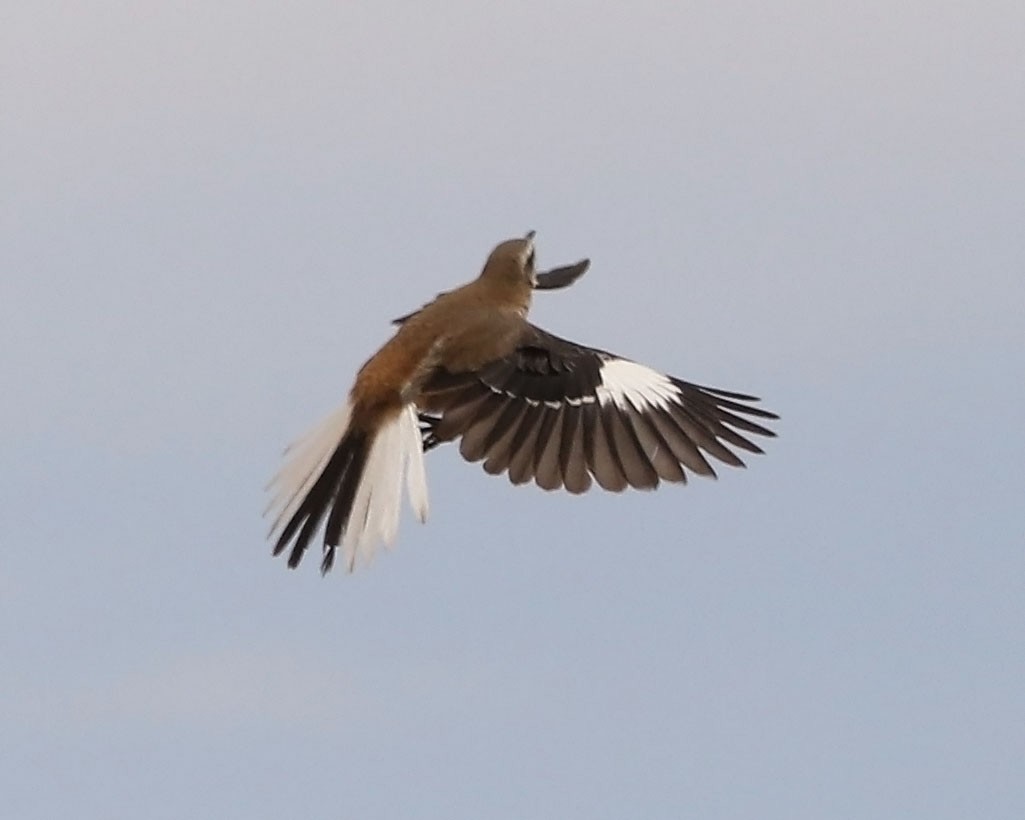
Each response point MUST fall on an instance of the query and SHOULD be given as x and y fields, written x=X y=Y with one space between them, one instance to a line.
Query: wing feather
x=565 y=415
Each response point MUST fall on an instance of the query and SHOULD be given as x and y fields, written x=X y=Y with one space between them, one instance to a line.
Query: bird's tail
x=353 y=478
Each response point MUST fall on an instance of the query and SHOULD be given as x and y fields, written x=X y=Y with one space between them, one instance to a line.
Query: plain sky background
x=211 y=211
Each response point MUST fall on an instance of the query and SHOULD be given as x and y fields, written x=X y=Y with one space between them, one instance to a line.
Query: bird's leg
x=428 y=424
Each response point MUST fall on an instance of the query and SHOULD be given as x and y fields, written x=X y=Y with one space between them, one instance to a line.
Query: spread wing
x=561 y=414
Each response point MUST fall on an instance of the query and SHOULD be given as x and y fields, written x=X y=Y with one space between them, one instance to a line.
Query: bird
x=469 y=366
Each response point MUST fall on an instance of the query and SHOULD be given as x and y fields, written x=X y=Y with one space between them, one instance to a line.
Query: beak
x=561 y=277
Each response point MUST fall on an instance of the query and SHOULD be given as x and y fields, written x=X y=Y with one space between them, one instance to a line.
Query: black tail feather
x=338 y=520
x=333 y=492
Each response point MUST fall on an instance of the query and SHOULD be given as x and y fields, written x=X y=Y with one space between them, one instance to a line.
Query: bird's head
x=512 y=263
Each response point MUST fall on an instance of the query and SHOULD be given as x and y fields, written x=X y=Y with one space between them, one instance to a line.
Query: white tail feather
x=396 y=452
x=307 y=457
x=416 y=475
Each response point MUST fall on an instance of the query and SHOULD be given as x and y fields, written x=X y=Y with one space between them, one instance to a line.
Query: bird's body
x=468 y=365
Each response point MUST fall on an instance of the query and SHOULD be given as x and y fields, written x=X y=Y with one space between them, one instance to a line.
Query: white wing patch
x=628 y=384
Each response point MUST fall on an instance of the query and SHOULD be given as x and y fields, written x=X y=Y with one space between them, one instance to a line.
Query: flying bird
x=469 y=366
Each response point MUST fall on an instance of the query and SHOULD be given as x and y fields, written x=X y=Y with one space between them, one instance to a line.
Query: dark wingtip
x=562 y=277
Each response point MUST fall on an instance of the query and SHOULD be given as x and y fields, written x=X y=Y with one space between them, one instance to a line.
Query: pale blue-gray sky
x=209 y=216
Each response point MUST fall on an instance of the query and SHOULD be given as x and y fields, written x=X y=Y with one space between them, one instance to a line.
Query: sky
x=209 y=213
